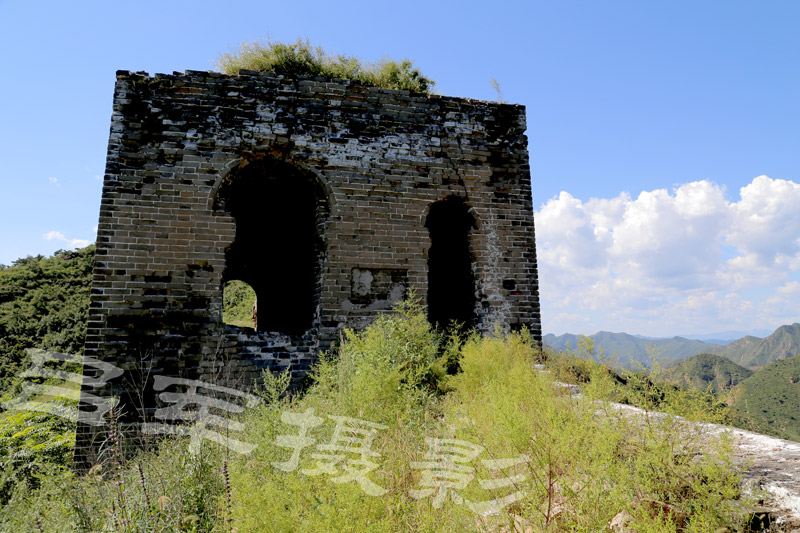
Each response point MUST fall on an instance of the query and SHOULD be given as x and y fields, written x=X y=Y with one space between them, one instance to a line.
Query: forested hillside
x=706 y=370
x=769 y=400
x=44 y=303
x=765 y=400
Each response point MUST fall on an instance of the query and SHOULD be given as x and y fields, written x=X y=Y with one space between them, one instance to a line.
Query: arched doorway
x=280 y=212
x=451 y=287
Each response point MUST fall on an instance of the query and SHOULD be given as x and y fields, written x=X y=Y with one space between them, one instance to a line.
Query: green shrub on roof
x=301 y=59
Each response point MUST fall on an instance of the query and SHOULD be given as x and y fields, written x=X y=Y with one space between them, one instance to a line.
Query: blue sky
x=624 y=99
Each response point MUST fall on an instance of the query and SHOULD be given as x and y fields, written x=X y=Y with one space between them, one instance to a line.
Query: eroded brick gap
x=451 y=287
x=278 y=249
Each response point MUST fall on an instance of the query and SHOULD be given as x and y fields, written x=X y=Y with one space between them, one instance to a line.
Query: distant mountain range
x=721 y=337
x=750 y=352
x=718 y=337
x=628 y=350
x=754 y=352
x=762 y=375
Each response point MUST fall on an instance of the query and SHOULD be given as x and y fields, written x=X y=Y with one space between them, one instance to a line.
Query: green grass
x=578 y=467
x=571 y=463
x=301 y=59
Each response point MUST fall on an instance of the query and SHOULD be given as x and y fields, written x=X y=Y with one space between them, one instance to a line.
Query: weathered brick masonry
x=330 y=198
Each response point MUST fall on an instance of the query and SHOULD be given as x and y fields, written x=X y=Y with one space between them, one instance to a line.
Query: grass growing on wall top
x=301 y=59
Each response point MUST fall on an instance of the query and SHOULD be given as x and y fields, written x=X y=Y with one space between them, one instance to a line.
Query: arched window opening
x=280 y=213
x=451 y=287
x=239 y=304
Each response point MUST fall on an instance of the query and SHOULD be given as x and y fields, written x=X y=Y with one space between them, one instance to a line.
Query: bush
x=387 y=370
x=550 y=460
x=589 y=462
x=237 y=304
x=381 y=375
x=30 y=443
x=171 y=489
x=44 y=303
x=301 y=59
x=580 y=464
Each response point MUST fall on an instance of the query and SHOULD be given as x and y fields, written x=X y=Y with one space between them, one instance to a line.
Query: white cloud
x=766 y=223
x=53 y=180
x=50 y=235
x=73 y=243
x=791 y=288
x=656 y=264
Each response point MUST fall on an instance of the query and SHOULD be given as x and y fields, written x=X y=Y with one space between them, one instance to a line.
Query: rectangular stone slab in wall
x=329 y=198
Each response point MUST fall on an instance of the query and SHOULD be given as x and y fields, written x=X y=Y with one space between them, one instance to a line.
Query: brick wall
x=365 y=164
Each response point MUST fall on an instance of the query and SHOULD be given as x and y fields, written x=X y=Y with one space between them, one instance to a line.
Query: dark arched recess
x=280 y=212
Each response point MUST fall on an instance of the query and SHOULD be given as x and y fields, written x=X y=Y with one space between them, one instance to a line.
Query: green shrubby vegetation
x=579 y=461
x=237 y=304
x=769 y=400
x=44 y=303
x=765 y=400
x=301 y=59
x=168 y=490
x=582 y=463
x=31 y=443
x=645 y=387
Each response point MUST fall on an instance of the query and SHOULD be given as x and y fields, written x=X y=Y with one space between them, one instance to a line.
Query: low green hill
x=704 y=370
x=769 y=400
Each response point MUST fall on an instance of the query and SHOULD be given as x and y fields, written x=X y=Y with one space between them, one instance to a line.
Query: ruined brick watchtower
x=329 y=198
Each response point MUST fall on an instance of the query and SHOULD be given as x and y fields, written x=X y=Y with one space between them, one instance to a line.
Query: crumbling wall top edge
x=263 y=75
